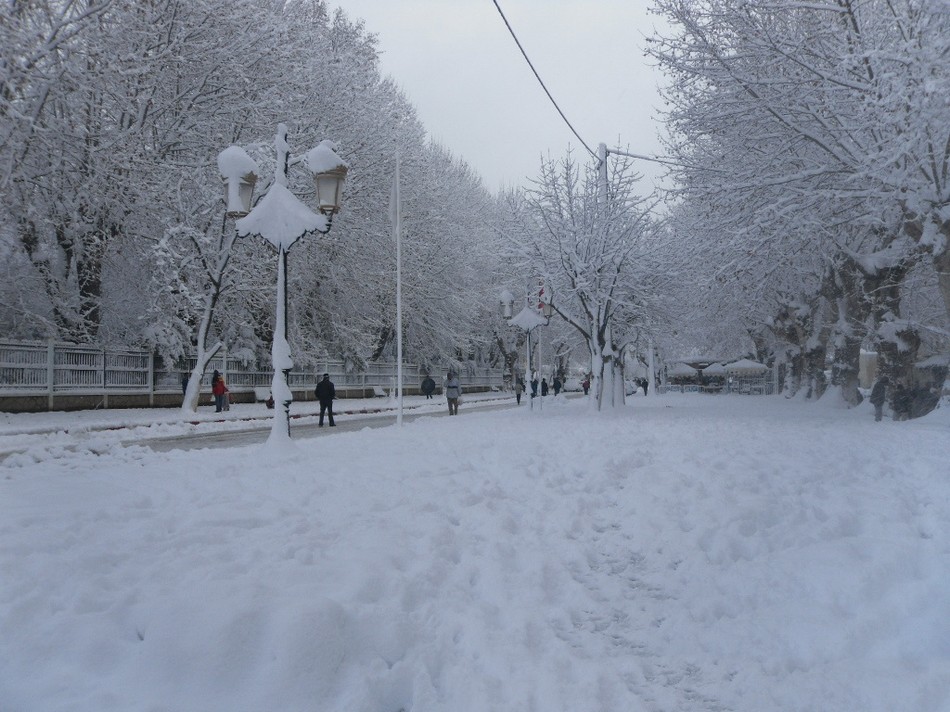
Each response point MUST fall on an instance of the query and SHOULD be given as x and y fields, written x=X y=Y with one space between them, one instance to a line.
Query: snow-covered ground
x=689 y=553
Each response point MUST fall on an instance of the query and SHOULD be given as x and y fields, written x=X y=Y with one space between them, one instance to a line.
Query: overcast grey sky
x=476 y=94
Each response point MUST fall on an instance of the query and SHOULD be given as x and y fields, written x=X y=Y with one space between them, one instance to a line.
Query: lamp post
x=282 y=219
x=528 y=319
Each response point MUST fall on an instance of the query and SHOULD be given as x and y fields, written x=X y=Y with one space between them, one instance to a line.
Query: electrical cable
x=538 y=76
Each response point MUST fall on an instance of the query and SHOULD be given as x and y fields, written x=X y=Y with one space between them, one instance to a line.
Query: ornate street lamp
x=282 y=219
x=528 y=319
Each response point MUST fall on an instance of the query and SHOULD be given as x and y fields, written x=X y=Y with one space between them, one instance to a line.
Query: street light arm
x=655 y=159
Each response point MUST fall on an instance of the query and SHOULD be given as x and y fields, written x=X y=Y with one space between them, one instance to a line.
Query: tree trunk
x=941 y=264
x=846 y=292
x=794 y=371
x=611 y=393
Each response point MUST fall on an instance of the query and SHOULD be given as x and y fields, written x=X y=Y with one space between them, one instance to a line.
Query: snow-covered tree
x=823 y=122
x=592 y=238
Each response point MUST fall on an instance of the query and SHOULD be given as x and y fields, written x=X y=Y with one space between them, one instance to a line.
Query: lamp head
x=329 y=173
x=507 y=301
x=239 y=175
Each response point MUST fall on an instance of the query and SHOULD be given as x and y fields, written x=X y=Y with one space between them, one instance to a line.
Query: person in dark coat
x=586 y=385
x=878 y=396
x=544 y=387
x=534 y=386
x=519 y=389
x=557 y=385
x=326 y=393
x=428 y=386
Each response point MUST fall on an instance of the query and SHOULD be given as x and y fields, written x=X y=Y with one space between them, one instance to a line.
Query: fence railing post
x=150 y=378
x=50 y=372
x=102 y=373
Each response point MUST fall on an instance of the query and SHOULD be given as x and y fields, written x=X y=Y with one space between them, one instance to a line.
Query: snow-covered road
x=689 y=553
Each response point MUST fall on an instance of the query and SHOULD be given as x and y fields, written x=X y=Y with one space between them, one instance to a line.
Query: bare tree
x=589 y=235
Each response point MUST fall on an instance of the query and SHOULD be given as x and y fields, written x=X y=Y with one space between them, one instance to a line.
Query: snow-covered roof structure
x=715 y=369
x=681 y=370
x=743 y=366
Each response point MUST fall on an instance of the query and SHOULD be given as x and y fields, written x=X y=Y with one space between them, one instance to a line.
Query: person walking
x=586 y=385
x=219 y=390
x=878 y=396
x=428 y=386
x=544 y=387
x=557 y=385
x=453 y=393
x=326 y=394
x=534 y=386
x=519 y=389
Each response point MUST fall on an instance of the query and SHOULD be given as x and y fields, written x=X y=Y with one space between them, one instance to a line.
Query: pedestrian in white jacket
x=453 y=393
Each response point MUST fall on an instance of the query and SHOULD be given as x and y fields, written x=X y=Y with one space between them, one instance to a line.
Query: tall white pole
x=280 y=349
x=602 y=379
x=527 y=368
x=397 y=226
x=280 y=356
x=651 y=378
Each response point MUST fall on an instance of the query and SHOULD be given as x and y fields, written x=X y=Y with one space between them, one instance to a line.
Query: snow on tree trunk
x=189 y=404
x=597 y=373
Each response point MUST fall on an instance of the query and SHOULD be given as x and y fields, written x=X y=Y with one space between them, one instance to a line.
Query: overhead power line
x=538 y=76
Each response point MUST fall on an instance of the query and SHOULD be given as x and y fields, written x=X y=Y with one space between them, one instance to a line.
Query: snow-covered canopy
x=746 y=366
x=714 y=369
x=280 y=218
x=681 y=370
x=527 y=319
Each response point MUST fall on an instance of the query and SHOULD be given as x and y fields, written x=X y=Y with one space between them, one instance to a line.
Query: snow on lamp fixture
x=239 y=175
x=329 y=173
x=507 y=303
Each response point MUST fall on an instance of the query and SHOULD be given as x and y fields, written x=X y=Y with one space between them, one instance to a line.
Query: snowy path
x=61 y=433
x=688 y=554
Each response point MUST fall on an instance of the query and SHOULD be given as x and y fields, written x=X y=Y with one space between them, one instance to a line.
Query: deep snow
x=687 y=553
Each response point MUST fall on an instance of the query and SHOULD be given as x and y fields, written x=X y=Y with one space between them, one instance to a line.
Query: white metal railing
x=35 y=367
x=745 y=386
